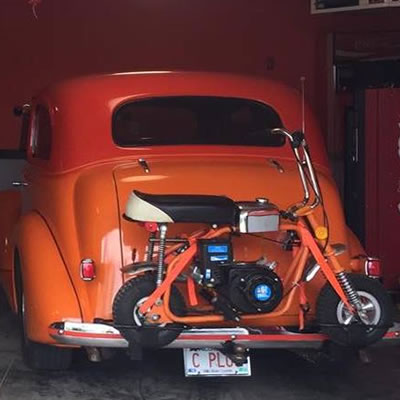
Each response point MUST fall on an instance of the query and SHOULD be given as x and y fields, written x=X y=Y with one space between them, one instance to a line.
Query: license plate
x=209 y=362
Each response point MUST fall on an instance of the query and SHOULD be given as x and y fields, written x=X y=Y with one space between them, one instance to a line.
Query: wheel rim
x=370 y=313
x=138 y=317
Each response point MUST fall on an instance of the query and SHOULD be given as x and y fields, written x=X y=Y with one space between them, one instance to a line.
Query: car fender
x=48 y=291
x=10 y=211
x=356 y=252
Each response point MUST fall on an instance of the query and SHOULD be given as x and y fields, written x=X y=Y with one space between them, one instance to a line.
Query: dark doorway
x=369 y=79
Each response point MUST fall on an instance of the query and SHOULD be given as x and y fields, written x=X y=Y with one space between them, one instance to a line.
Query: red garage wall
x=75 y=37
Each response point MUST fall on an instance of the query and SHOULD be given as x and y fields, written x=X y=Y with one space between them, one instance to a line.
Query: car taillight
x=88 y=269
x=373 y=267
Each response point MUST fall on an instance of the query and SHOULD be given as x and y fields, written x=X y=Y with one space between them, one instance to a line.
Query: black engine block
x=247 y=287
x=252 y=288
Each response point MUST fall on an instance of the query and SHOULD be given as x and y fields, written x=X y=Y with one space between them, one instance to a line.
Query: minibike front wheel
x=356 y=330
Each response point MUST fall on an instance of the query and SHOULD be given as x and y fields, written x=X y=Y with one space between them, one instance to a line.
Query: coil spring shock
x=161 y=254
x=150 y=249
x=348 y=288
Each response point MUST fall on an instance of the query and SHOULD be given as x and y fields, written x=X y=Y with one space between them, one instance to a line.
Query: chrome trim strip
x=83 y=327
x=87 y=334
x=91 y=342
x=102 y=335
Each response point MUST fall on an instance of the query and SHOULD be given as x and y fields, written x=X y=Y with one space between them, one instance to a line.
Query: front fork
x=350 y=291
x=352 y=299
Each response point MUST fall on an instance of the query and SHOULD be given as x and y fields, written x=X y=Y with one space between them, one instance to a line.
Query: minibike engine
x=247 y=287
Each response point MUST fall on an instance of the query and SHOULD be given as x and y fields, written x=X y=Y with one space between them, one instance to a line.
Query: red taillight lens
x=88 y=270
x=373 y=267
x=151 y=226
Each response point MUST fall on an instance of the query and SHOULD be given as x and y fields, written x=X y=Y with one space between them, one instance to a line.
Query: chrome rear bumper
x=102 y=335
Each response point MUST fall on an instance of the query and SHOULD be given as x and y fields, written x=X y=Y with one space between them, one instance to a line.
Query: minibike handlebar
x=305 y=166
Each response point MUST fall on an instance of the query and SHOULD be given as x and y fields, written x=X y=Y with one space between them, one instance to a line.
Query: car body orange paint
x=72 y=206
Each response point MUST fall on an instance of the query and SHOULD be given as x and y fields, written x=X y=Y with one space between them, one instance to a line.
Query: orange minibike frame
x=158 y=301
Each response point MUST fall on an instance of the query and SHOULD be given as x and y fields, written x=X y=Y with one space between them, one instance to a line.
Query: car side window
x=42 y=133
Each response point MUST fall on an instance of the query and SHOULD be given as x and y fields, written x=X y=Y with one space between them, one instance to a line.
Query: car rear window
x=195 y=120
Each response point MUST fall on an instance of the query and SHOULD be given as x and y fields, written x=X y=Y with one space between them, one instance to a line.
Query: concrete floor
x=276 y=375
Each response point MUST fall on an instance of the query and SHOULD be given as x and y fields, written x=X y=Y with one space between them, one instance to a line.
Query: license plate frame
x=211 y=363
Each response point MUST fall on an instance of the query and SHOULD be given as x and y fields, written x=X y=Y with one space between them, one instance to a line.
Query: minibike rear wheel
x=130 y=322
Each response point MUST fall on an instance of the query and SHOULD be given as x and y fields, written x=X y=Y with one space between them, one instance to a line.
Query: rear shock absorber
x=150 y=248
x=348 y=288
x=161 y=253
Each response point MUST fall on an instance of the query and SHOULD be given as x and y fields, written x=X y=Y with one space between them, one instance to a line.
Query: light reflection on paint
x=141 y=73
x=110 y=258
x=110 y=248
x=111 y=244
x=146 y=178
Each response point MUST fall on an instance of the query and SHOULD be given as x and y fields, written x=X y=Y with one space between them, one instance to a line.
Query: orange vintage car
x=183 y=210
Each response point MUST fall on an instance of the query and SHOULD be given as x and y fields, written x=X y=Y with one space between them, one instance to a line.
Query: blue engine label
x=217 y=248
x=262 y=292
x=219 y=258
